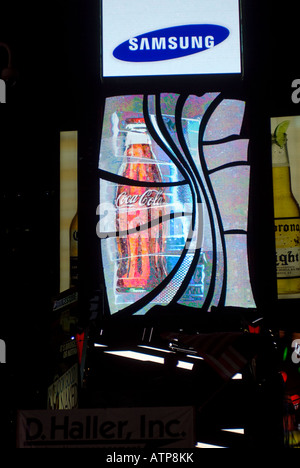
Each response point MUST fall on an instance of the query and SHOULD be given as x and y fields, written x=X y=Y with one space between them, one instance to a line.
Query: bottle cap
x=137 y=132
x=133 y=138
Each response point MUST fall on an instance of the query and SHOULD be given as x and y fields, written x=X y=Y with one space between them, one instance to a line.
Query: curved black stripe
x=223 y=140
x=225 y=166
x=189 y=164
x=118 y=179
x=235 y=231
x=196 y=183
x=211 y=289
x=181 y=160
x=176 y=160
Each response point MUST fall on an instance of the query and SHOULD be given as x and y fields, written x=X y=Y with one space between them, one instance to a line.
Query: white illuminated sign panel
x=170 y=37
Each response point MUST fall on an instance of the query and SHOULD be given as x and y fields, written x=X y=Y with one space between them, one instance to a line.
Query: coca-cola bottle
x=141 y=240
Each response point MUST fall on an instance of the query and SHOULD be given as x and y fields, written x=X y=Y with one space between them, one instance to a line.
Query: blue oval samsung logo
x=170 y=43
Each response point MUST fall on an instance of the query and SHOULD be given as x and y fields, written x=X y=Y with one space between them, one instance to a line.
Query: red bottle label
x=141 y=244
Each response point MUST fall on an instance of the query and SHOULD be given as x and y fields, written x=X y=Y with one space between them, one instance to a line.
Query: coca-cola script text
x=149 y=198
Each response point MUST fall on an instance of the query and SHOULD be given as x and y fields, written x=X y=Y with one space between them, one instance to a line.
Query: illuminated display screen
x=170 y=37
x=174 y=188
x=68 y=208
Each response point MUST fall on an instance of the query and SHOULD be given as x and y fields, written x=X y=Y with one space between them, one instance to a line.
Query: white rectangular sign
x=170 y=37
x=168 y=427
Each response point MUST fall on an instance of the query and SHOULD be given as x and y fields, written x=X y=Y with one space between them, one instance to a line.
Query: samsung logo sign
x=171 y=43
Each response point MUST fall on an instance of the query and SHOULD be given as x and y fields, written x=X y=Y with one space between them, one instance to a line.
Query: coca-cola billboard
x=173 y=191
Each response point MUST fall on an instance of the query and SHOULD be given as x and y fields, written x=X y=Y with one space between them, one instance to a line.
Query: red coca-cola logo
x=149 y=198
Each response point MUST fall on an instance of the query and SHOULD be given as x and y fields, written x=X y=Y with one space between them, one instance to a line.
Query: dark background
x=55 y=50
